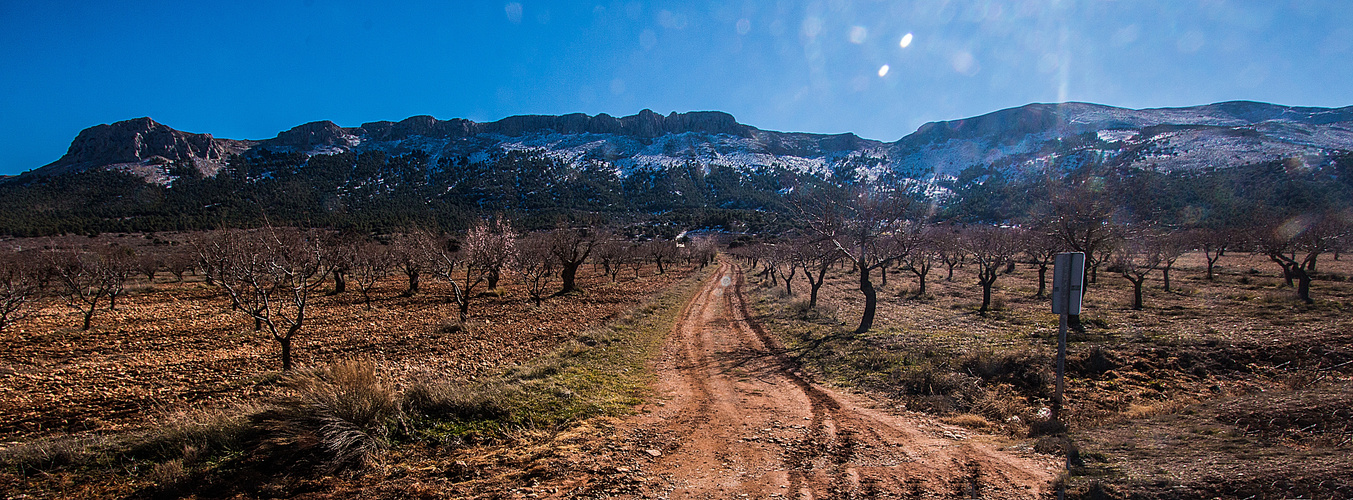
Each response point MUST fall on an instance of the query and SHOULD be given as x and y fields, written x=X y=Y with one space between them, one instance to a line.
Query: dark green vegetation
x=375 y=191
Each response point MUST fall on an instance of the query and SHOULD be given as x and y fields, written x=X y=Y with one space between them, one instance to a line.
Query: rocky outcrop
x=140 y=141
x=313 y=135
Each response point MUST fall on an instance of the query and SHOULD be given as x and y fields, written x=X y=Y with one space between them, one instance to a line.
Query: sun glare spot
x=883 y=71
x=858 y=34
x=965 y=63
x=744 y=26
x=513 y=11
x=812 y=26
x=906 y=40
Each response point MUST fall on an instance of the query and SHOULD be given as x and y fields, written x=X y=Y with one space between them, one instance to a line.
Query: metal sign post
x=1068 y=282
x=1068 y=278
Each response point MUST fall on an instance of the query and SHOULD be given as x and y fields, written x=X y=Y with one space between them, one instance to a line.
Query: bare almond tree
x=341 y=251
x=1139 y=254
x=179 y=261
x=951 y=252
x=20 y=285
x=409 y=251
x=920 y=254
x=991 y=249
x=488 y=247
x=149 y=264
x=1041 y=249
x=858 y=221
x=117 y=262
x=1171 y=245
x=663 y=252
x=571 y=246
x=82 y=279
x=1214 y=242
x=535 y=264
x=1082 y=219
x=491 y=245
x=636 y=256
x=611 y=254
x=1296 y=243
x=371 y=262
x=816 y=256
x=274 y=273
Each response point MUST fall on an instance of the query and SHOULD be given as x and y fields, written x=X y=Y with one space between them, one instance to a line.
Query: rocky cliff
x=143 y=147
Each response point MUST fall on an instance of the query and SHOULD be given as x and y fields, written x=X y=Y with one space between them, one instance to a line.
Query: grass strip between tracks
x=605 y=371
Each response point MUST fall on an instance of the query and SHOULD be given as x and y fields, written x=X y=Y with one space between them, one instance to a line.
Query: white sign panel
x=1068 y=277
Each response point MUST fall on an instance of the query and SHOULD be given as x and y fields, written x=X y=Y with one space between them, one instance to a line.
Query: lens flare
x=858 y=34
x=906 y=40
x=883 y=70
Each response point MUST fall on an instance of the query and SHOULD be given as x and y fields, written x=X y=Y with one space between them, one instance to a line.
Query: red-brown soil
x=735 y=418
x=171 y=347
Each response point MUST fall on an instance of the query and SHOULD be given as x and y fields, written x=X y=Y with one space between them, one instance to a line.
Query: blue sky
x=247 y=70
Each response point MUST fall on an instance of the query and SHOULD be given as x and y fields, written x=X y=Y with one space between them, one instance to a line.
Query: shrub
x=335 y=417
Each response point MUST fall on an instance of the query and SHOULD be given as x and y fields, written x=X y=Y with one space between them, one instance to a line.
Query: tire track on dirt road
x=737 y=419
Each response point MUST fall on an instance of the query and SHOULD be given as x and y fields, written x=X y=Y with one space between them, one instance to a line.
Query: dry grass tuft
x=971 y=421
x=334 y=419
x=445 y=400
x=55 y=452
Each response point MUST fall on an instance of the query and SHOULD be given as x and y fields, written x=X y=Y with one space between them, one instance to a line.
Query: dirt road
x=734 y=419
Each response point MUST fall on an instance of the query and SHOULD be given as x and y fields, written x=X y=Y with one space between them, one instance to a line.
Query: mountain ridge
x=1213 y=135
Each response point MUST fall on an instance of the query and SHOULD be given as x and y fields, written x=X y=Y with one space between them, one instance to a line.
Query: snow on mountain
x=1215 y=135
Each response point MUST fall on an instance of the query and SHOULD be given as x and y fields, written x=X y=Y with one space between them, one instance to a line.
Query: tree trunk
x=286 y=353
x=986 y=295
x=1165 y=273
x=89 y=316
x=1212 y=259
x=1303 y=285
x=1042 y=280
x=920 y=281
x=569 y=275
x=1136 y=293
x=870 y=299
x=883 y=273
x=494 y=275
x=340 y=282
x=413 y=284
x=814 y=286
